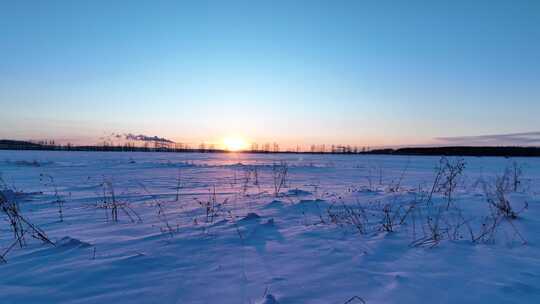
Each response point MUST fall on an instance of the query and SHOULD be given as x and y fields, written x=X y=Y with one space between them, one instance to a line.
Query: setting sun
x=234 y=143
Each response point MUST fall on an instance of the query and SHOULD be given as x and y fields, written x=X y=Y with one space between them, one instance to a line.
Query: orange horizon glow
x=235 y=143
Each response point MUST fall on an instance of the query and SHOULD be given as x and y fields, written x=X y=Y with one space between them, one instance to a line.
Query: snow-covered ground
x=209 y=228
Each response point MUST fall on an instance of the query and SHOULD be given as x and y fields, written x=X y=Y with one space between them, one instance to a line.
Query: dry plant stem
x=279 y=174
x=396 y=187
x=112 y=204
x=161 y=214
x=58 y=200
x=178 y=184
x=211 y=206
x=19 y=225
x=355 y=298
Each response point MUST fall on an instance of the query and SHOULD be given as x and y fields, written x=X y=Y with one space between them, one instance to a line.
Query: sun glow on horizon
x=235 y=143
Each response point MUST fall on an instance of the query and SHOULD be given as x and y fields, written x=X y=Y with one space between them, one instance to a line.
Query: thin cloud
x=512 y=139
x=142 y=137
x=133 y=137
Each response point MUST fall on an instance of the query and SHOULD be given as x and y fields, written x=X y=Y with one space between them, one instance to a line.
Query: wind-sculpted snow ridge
x=241 y=228
x=27 y=163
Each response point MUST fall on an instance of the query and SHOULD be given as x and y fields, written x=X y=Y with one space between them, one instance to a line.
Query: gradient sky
x=351 y=72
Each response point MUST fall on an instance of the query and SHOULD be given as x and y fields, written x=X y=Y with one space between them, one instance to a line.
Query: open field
x=264 y=228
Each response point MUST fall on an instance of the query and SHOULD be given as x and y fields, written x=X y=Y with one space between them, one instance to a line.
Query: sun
x=235 y=143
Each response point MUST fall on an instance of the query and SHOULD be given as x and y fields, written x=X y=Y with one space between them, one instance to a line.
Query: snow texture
x=209 y=228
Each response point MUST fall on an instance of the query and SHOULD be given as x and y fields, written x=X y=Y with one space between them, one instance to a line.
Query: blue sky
x=352 y=72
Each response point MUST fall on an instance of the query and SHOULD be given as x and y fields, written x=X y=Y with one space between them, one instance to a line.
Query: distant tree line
x=147 y=146
x=161 y=146
x=464 y=151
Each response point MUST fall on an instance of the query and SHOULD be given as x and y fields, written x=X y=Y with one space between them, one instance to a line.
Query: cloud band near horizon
x=512 y=139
